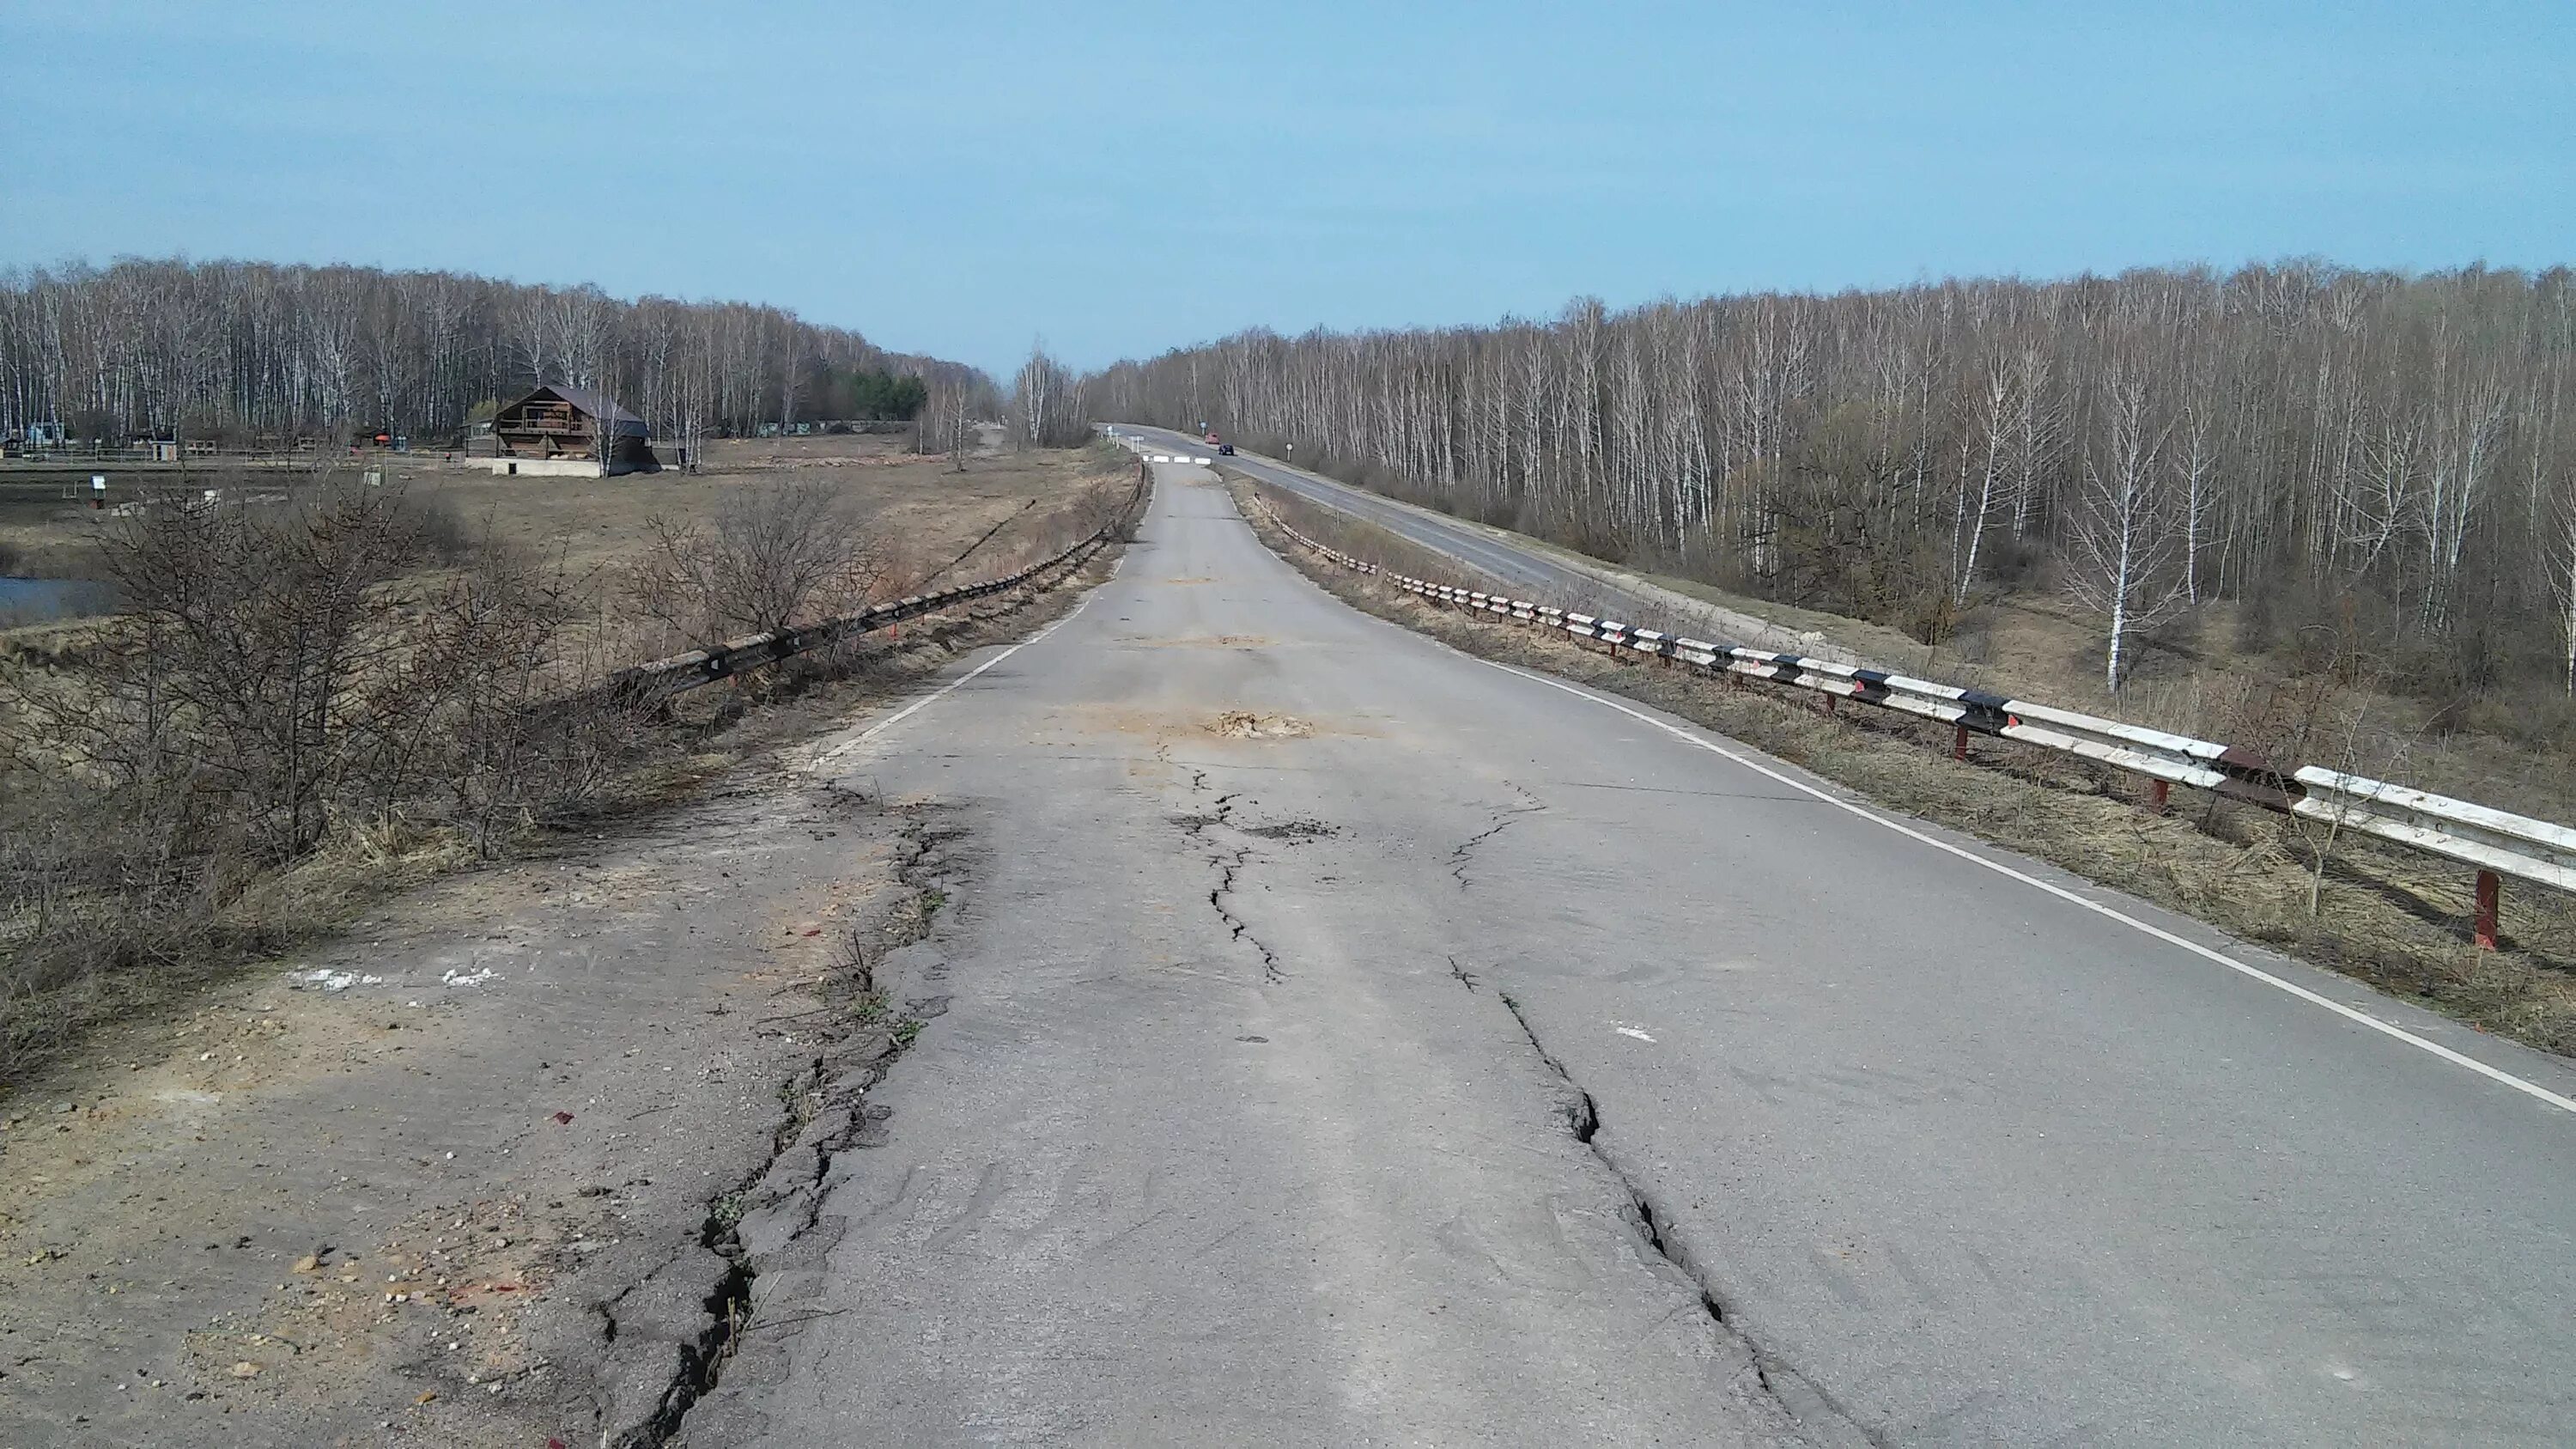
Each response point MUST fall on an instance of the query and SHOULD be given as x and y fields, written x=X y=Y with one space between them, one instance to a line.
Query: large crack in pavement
x=1229 y=862
x=1503 y=820
x=1823 y=1420
x=781 y=1199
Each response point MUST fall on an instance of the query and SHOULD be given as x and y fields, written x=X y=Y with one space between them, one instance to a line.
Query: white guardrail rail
x=2495 y=842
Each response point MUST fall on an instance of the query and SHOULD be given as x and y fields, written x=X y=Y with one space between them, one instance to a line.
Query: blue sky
x=961 y=177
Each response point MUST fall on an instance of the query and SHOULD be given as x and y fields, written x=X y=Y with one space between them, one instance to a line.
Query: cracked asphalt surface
x=1449 y=1058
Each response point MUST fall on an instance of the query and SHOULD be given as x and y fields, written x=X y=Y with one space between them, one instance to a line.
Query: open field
x=925 y=508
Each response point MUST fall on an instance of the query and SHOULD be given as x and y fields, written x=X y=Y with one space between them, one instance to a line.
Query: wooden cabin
x=559 y=420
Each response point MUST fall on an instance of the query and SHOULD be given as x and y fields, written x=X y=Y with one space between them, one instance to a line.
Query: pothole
x=1291 y=830
x=1243 y=724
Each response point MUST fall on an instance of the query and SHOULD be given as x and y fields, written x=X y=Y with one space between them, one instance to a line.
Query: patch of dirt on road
x=1243 y=724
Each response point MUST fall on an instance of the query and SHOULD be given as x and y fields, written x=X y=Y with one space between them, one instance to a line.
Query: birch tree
x=2123 y=538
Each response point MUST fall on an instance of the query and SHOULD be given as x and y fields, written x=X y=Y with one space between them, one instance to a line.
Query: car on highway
x=1225 y=450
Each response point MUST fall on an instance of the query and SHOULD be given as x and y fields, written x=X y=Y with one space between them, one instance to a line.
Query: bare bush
x=223 y=693
x=775 y=554
x=286 y=683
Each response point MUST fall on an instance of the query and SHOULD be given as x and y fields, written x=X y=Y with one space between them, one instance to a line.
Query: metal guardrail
x=2514 y=845
x=681 y=672
x=2496 y=842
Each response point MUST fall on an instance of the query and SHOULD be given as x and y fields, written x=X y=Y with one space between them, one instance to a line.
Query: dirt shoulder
x=2394 y=919
x=471 y=1173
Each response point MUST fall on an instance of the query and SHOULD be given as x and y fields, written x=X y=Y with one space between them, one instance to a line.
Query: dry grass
x=2395 y=919
x=927 y=509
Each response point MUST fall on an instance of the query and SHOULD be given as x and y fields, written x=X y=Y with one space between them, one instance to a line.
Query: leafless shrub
x=850 y=962
x=474 y=725
x=775 y=554
x=1102 y=505
x=286 y=684
x=223 y=694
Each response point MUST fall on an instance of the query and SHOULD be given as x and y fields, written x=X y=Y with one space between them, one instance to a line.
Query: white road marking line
x=2494 y=1074
x=1632 y=1031
x=899 y=716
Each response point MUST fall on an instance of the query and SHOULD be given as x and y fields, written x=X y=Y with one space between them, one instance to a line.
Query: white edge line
x=943 y=691
x=2495 y=1074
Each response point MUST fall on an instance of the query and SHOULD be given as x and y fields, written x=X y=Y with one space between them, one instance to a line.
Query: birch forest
x=2390 y=455
x=249 y=351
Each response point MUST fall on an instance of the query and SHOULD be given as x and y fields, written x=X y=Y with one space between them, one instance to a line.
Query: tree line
x=247 y=350
x=2394 y=454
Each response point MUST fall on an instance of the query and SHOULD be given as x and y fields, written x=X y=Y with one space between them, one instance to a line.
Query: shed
x=559 y=420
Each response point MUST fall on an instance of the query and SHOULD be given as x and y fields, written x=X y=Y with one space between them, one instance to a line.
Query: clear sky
x=960 y=176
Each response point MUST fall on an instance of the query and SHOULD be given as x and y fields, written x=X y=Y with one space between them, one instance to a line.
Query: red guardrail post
x=2159 y=795
x=2490 y=893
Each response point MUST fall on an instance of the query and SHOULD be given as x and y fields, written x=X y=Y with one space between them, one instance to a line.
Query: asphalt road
x=1534 y=573
x=1245 y=1124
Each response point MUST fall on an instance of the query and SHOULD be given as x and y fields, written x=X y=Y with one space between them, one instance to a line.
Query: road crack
x=1228 y=861
x=1503 y=820
x=825 y=1112
x=1796 y=1396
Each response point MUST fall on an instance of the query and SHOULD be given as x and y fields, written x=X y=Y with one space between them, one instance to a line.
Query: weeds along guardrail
x=662 y=678
x=2495 y=842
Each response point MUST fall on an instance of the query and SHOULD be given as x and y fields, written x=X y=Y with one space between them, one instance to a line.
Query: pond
x=31 y=601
